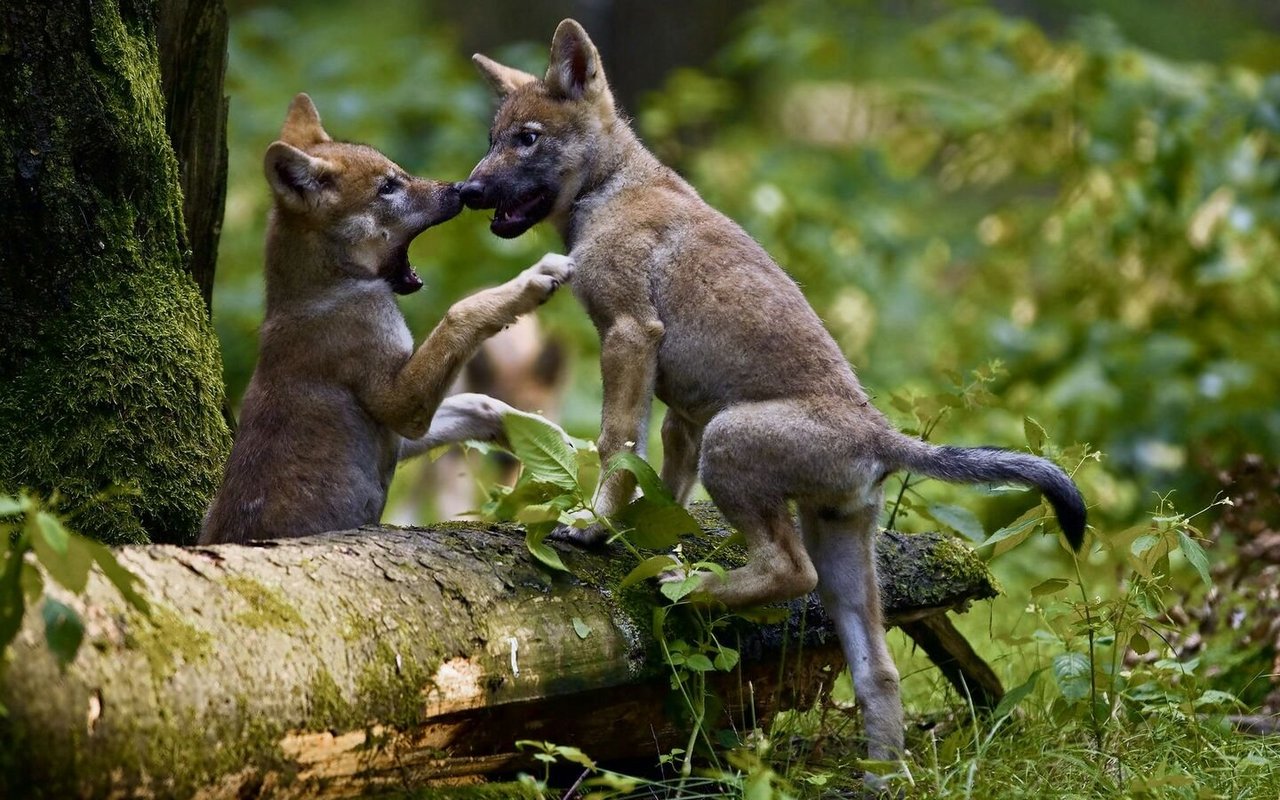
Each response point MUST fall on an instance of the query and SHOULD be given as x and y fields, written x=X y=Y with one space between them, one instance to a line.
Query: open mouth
x=400 y=273
x=513 y=217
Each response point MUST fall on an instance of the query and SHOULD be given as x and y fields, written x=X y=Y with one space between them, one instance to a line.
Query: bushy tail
x=983 y=464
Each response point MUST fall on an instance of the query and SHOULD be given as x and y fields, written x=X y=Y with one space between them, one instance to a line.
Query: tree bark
x=340 y=664
x=112 y=382
x=192 y=36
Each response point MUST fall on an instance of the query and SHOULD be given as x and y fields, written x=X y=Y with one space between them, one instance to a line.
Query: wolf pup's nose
x=473 y=194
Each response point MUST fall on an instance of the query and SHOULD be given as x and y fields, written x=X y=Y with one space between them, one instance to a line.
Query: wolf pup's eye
x=526 y=138
x=389 y=186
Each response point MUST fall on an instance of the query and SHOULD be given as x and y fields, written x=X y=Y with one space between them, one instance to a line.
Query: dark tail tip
x=1069 y=506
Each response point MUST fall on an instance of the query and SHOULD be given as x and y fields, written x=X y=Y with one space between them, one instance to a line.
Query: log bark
x=110 y=366
x=338 y=664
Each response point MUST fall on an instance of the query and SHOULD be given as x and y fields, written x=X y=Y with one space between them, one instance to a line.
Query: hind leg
x=745 y=470
x=681 y=444
x=841 y=542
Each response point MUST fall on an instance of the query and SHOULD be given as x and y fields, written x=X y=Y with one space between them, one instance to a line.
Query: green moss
x=328 y=709
x=111 y=368
x=267 y=608
x=164 y=638
x=389 y=687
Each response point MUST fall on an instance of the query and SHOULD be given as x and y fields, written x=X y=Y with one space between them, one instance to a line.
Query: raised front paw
x=583 y=537
x=542 y=279
x=483 y=414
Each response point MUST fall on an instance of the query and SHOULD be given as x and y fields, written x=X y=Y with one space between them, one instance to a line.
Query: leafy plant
x=40 y=547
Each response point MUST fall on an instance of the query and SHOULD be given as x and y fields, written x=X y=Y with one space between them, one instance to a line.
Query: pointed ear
x=302 y=126
x=502 y=78
x=575 y=71
x=295 y=177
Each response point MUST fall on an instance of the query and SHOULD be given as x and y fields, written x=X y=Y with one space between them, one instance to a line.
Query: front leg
x=465 y=417
x=407 y=399
x=628 y=367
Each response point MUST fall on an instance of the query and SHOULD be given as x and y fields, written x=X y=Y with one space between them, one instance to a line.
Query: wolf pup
x=762 y=403
x=339 y=395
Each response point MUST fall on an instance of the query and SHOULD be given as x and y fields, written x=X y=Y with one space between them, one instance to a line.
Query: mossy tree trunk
x=109 y=369
x=339 y=664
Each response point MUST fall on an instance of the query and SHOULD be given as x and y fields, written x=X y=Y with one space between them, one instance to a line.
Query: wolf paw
x=583 y=537
x=550 y=273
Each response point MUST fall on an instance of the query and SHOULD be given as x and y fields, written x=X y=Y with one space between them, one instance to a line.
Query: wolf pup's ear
x=302 y=126
x=502 y=78
x=575 y=71
x=295 y=177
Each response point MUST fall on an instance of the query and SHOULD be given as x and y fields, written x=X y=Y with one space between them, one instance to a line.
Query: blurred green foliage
x=950 y=186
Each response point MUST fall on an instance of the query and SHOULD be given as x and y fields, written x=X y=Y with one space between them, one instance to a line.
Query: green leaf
x=958 y=519
x=588 y=459
x=32 y=582
x=1035 y=435
x=726 y=659
x=647 y=569
x=119 y=576
x=9 y=506
x=1073 y=674
x=66 y=557
x=1015 y=533
x=545 y=512
x=677 y=590
x=1049 y=586
x=581 y=628
x=49 y=529
x=526 y=492
x=534 y=537
x=1139 y=644
x=657 y=525
x=63 y=630
x=541 y=448
x=12 y=603
x=575 y=755
x=699 y=663
x=1016 y=695
x=1195 y=556
x=650 y=484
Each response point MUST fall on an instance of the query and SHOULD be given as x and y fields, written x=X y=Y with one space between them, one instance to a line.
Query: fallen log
x=385 y=658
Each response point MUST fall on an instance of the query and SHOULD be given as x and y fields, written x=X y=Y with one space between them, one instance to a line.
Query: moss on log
x=108 y=360
x=347 y=662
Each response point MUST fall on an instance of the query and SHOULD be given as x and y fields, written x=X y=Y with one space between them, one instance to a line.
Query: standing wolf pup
x=762 y=403
x=339 y=395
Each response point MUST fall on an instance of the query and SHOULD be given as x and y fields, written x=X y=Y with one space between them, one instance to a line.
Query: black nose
x=473 y=194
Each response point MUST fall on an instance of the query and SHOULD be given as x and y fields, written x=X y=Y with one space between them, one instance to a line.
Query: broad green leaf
x=657 y=525
x=677 y=590
x=726 y=659
x=1217 y=697
x=527 y=491
x=699 y=663
x=48 y=528
x=1035 y=435
x=32 y=582
x=588 y=470
x=650 y=484
x=1016 y=695
x=1015 y=533
x=1073 y=674
x=647 y=569
x=1195 y=556
x=581 y=628
x=575 y=755
x=958 y=519
x=545 y=512
x=1139 y=644
x=63 y=630
x=547 y=555
x=119 y=576
x=534 y=537
x=542 y=450
x=1049 y=586
x=66 y=557
x=9 y=506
